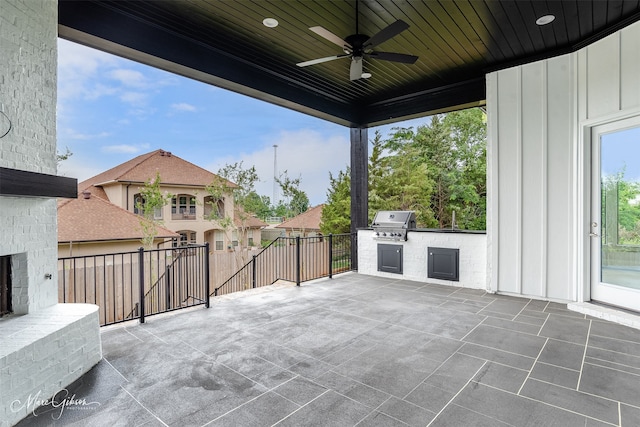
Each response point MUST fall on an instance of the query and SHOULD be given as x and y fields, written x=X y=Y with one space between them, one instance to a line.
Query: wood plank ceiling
x=457 y=42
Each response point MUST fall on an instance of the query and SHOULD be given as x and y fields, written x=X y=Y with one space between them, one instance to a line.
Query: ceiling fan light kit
x=357 y=47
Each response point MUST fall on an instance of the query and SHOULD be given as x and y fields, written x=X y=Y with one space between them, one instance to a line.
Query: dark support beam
x=359 y=182
x=458 y=96
x=14 y=182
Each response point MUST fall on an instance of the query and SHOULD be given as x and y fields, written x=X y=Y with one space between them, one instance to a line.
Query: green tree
x=152 y=199
x=468 y=132
x=258 y=205
x=621 y=204
x=435 y=170
x=295 y=201
x=448 y=158
x=233 y=183
x=408 y=183
x=60 y=157
x=336 y=214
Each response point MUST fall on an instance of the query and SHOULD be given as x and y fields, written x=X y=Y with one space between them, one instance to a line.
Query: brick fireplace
x=44 y=346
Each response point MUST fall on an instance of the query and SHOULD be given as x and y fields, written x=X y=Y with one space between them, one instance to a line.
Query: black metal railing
x=133 y=285
x=295 y=259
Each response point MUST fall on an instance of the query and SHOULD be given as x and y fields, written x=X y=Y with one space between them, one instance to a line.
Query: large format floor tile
x=361 y=351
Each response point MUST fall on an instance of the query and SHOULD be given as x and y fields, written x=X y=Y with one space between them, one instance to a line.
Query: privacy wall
x=538 y=113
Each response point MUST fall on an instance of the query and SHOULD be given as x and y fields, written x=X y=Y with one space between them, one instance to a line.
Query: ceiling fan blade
x=324 y=33
x=355 y=71
x=386 y=33
x=395 y=57
x=321 y=60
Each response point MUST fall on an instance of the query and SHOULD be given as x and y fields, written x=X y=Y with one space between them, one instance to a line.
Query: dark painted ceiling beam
x=14 y=182
x=427 y=102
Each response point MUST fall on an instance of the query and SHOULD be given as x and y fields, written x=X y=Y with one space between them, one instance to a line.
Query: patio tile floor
x=365 y=351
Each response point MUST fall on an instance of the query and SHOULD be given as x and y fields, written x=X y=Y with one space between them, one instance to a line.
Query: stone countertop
x=439 y=230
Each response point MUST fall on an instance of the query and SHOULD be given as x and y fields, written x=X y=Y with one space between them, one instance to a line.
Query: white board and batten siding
x=539 y=115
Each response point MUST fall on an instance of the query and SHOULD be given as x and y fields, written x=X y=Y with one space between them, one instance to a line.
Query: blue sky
x=111 y=109
x=621 y=152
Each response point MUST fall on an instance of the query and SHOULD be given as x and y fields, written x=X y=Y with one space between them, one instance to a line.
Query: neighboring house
x=90 y=225
x=252 y=227
x=185 y=214
x=307 y=224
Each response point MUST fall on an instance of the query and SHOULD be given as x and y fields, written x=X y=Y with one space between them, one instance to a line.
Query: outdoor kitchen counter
x=472 y=246
x=446 y=230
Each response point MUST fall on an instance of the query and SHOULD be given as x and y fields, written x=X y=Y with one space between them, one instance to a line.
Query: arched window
x=187 y=237
x=138 y=206
x=183 y=206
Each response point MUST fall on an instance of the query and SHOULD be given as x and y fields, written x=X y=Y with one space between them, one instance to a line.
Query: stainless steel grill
x=393 y=225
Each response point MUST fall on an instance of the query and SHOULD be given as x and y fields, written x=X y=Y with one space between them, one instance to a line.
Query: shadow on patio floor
x=366 y=351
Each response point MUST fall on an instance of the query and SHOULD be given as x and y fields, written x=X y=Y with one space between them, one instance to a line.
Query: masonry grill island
x=392 y=226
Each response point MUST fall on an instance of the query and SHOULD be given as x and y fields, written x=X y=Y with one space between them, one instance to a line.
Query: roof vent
x=162 y=153
x=86 y=194
x=168 y=153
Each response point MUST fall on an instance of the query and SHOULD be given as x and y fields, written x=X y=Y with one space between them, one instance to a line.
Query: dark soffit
x=225 y=43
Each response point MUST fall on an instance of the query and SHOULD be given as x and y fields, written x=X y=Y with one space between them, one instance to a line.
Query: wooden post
x=359 y=185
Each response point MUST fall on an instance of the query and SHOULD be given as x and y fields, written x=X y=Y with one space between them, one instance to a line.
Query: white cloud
x=134 y=98
x=131 y=78
x=73 y=134
x=79 y=168
x=304 y=153
x=183 y=106
x=125 y=148
x=77 y=66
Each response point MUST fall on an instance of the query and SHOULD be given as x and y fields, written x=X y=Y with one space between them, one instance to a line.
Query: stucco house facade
x=184 y=218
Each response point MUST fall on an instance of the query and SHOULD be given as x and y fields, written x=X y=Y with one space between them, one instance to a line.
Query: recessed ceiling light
x=544 y=20
x=270 y=22
x=365 y=75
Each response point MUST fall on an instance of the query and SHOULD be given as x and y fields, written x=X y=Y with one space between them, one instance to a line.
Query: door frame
x=583 y=199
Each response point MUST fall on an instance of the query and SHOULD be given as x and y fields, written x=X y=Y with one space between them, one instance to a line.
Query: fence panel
x=173 y=278
x=292 y=259
x=180 y=277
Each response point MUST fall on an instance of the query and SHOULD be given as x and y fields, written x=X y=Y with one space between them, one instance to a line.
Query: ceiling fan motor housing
x=357 y=42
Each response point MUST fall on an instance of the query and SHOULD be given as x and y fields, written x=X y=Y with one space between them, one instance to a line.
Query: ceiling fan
x=358 y=46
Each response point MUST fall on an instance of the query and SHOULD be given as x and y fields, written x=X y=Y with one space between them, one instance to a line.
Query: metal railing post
x=297 y=260
x=253 y=272
x=354 y=251
x=207 y=304
x=167 y=278
x=330 y=255
x=141 y=277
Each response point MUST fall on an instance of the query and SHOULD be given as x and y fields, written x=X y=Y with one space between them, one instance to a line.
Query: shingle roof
x=309 y=220
x=173 y=170
x=82 y=220
x=249 y=222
